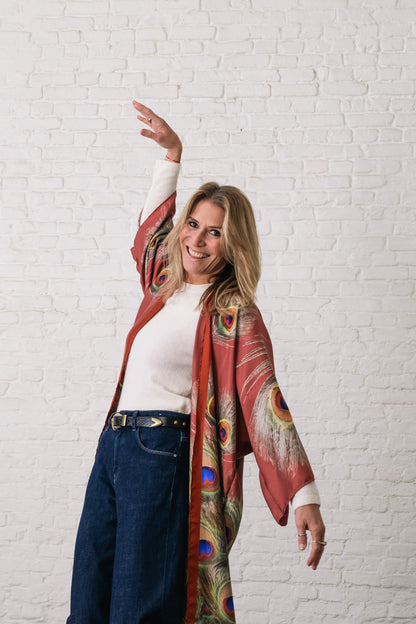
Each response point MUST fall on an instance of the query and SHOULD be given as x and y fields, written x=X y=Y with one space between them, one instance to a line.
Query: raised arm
x=165 y=173
x=156 y=217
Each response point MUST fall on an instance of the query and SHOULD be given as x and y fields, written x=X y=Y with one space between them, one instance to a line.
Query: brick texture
x=309 y=107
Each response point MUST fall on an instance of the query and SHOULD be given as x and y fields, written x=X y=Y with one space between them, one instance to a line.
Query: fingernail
x=302 y=546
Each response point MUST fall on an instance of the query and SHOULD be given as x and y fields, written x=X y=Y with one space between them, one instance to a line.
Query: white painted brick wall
x=309 y=106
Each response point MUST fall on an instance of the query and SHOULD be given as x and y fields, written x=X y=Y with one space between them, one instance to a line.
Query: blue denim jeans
x=131 y=548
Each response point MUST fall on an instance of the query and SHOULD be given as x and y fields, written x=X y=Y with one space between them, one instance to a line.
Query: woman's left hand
x=308 y=518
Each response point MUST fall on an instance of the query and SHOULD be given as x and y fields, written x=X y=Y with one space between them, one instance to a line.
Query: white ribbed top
x=159 y=370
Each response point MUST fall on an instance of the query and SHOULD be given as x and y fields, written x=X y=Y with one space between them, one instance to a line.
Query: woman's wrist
x=172 y=159
x=174 y=154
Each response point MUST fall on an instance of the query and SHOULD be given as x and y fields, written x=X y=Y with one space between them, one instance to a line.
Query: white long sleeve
x=308 y=495
x=164 y=181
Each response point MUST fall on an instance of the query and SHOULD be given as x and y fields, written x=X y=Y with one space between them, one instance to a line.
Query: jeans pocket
x=160 y=440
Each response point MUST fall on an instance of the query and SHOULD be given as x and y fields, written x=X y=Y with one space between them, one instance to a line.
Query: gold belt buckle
x=156 y=422
x=123 y=421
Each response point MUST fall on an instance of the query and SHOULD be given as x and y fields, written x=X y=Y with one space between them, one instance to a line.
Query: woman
x=196 y=393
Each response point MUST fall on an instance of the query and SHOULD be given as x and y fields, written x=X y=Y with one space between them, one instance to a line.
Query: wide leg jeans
x=131 y=548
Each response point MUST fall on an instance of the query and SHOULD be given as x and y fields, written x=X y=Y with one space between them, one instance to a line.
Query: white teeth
x=195 y=254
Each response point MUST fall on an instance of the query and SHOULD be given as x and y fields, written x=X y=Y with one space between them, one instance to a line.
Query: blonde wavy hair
x=236 y=284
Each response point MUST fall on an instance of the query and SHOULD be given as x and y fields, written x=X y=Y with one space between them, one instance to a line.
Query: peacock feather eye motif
x=154 y=240
x=228 y=606
x=161 y=279
x=210 y=479
x=227 y=323
x=226 y=603
x=206 y=550
x=210 y=545
x=275 y=435
x=279 y=407
x=224 y=432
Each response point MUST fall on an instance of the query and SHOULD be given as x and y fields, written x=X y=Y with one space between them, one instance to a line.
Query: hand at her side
x=160 y=131
x=308 y=517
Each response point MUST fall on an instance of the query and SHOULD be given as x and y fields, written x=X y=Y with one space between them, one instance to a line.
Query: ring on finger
x=318 y=542
x=301 y=534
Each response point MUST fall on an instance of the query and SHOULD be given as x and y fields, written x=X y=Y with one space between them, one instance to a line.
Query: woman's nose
x=198 y=238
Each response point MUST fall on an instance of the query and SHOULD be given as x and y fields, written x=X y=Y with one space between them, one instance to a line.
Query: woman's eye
x=215 y=232
x=192 y=224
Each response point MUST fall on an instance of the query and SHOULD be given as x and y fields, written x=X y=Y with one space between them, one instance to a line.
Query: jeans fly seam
x=116 y=443
x=170 y=516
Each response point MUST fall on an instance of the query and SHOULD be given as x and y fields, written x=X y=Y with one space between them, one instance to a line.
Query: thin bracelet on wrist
x=172 y=159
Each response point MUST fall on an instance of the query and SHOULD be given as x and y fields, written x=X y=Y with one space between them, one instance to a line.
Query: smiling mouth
x=196 y=254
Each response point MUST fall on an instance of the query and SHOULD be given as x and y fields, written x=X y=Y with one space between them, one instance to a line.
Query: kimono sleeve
x=282 y=461
x=147 y=250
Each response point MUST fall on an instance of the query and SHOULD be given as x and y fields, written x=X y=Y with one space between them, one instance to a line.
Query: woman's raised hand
x=160 y=131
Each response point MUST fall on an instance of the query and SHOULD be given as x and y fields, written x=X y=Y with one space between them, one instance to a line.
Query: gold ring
x=321 y=543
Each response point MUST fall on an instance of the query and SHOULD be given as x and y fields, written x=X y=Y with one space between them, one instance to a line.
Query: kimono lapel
x=197 y=429
x=214 y=519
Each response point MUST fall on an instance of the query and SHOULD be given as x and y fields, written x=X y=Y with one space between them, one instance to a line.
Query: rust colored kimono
x=237 y=408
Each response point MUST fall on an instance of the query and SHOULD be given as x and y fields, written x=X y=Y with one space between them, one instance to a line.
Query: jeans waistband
x=148 y=418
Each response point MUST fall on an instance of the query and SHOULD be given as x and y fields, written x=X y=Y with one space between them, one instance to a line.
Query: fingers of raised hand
x=142 y=109
x=148 y=134
x=158 y=129
x=147 y=116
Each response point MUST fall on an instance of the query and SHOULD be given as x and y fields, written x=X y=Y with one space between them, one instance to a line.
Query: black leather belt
x=118 y=421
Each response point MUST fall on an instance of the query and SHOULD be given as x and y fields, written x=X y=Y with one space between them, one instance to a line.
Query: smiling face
x=201 y=243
